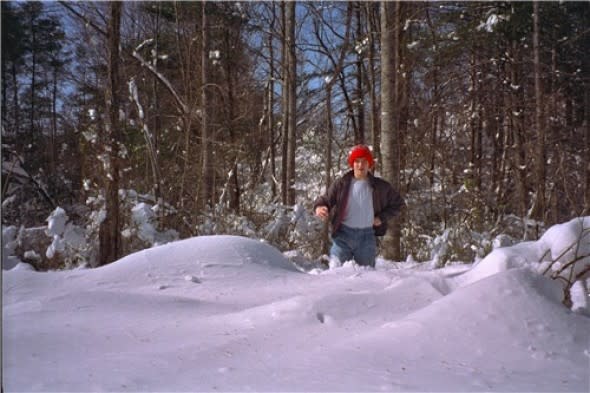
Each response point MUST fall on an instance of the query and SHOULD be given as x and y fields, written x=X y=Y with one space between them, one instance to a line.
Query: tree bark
x=539 y=207
x=33 y=82
x=372 y=78
x=230 y=75
x=586 y=127
x=207 y=169
x=285 y=108
x=390 y=41
x=434 y=108
x=53 y=145
x=110 y=247
x=155 y=139
x=516 y=98
x=360 y=107
x=16 y=116
x=402 y=102
x=291 y=101
x=476 y=146
x=270 y=105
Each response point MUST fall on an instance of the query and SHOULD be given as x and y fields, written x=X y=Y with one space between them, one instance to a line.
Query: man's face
x=361 y=168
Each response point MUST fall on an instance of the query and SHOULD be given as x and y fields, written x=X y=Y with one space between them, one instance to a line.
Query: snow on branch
x=161 y=78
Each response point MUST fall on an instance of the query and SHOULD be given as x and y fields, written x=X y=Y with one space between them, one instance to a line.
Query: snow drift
x=226 y=313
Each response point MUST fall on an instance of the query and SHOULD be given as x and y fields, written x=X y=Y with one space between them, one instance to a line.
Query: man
x=360 y=205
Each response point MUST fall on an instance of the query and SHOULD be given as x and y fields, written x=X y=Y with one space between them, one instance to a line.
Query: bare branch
x=570 y=263
x=181 y=104
x=86 y=20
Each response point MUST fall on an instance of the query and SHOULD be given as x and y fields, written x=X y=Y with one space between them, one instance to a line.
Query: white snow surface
x=227 y=313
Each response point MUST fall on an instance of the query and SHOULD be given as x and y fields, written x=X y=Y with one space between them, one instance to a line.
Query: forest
x=138 y=123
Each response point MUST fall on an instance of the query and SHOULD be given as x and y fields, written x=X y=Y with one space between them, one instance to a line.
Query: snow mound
x=213 y=253
x=567 y=242
x=23 y=266
x=512 y=320
x=561 y=243
x=226 y=313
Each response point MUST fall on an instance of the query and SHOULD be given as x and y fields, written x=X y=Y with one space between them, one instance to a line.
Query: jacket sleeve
x=392 y=205
x=329 y=199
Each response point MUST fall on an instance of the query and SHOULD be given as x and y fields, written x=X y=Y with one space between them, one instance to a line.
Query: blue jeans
x=354 y=243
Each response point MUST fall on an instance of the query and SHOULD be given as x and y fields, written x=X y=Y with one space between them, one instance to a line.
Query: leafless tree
x=110 y=247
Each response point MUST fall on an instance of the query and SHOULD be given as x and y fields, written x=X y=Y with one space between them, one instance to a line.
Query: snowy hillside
x=225 y=313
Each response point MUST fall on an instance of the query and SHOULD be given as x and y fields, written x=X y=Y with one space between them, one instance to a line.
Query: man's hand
x=377 y=222
x=322 y=212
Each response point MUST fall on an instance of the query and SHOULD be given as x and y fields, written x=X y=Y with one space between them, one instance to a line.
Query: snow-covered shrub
x=566 y=257
x=9 y=244
x=562 y=253
x=143 y=227
x=458 y=244
x=140 y=216
x=68 y=246
x=9 y=240
x=285 y=227
x=31 y=244
x=221 y=220
x=294 y=228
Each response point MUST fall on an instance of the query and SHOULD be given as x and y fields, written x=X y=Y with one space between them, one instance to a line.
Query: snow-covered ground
x=226 y=313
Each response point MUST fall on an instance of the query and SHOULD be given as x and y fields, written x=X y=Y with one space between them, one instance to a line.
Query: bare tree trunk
x=149 y=141
x=514 y=131
x=434 y=108
x=329 y=136
x=342 y=80
x=33 y=82
x=328 y=164
x=234 y=183
x=402 y=98
x=15 y=99
x=3 y=106
x=390 y=41
x=539 y=207
x=270 y=106
x=555 y=144
x=110 y=247
x=207 y=169
x=360 y=106
x=185 y=67
x=285 y=108
x=53 y=147
x=271 y=133
x=476 y=147
x=291 y=100
x=586 y=126
x=157 y=184
x=372 y=77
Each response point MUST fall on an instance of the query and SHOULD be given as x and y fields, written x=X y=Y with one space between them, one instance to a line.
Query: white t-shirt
x=359 y=211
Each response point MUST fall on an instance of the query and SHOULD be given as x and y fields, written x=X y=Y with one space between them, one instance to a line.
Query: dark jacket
x=387 y=202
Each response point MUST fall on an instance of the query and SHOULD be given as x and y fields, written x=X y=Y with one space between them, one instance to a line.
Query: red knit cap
x=360 y=151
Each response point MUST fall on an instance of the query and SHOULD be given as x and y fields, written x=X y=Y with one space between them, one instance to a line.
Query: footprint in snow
x=323 y=318
x=194 y=279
